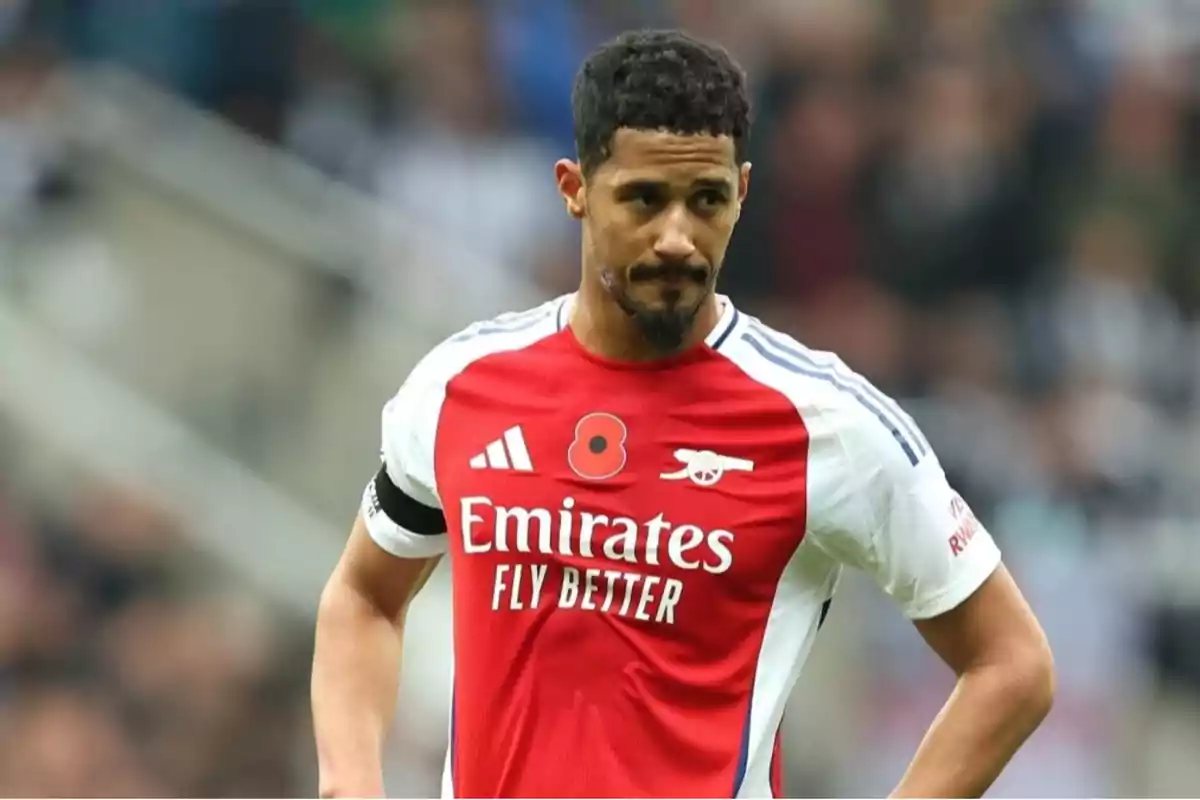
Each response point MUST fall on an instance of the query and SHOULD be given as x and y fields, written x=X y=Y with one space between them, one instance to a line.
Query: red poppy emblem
x=598 y=451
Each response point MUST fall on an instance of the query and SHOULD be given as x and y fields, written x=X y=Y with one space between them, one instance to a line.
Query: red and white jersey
x=641 y=554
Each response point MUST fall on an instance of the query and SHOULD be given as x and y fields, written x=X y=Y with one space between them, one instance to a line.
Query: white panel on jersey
x=878 y=498
x=807 y=582
x=479 y=462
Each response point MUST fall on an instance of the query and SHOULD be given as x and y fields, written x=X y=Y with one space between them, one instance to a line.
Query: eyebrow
x=641 y=185
x=649 y=185
x=714 y=184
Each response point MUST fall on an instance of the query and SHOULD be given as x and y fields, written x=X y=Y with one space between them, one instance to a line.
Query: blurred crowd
x=125 y=669
x=990 y=207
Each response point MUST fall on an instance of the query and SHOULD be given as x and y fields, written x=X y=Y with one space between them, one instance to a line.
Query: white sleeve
x=888 y=509
x=400 y=504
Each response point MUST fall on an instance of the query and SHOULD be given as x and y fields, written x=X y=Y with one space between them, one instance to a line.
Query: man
x=647 y=498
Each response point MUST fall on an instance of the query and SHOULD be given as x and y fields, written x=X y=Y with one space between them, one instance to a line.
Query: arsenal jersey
x=642 y=553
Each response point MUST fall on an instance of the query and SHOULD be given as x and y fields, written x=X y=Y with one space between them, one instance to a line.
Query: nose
x=675 y=241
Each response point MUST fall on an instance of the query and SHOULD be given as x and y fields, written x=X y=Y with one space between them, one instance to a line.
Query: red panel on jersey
x=617 y=536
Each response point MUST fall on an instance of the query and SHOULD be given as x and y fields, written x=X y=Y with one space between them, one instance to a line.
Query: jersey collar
x=725 y=324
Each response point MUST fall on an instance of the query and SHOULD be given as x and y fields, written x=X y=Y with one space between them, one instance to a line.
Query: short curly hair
x=658 y=80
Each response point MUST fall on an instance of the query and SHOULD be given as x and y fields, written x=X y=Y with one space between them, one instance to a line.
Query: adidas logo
x=507 y=452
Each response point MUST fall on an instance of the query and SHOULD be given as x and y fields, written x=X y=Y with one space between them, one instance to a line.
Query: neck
x=602 y=327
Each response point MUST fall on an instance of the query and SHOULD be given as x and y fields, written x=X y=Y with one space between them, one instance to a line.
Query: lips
x=681 y=273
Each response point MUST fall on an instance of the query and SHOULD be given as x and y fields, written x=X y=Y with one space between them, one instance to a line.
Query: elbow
x=346 y=605
x=1019 y=678
x=336 y=595
x=333 y=604
x=1031 y=680
x=343 y=598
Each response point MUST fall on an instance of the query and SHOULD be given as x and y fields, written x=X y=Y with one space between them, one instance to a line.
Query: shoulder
x=508 y=332
x=840 y=408
x=410 y=418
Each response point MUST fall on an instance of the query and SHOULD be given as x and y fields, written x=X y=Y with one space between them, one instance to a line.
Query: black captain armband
x=411 y=515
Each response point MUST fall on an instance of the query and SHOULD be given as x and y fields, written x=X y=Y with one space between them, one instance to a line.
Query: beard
x=664 y=327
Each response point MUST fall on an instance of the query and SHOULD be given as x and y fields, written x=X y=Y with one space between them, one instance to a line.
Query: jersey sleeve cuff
x=969 y=578
x=395 y=539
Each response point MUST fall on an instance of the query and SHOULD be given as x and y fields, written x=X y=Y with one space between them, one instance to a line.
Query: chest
x=695 y=472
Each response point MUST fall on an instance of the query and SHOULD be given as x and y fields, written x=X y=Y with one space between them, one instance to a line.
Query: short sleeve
x=888 y=509
x=400 y=504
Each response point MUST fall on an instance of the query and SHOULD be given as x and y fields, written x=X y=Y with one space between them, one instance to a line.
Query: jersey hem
x=955 y=594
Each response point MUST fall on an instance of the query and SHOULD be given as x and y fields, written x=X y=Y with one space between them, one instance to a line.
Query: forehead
x=665 y=156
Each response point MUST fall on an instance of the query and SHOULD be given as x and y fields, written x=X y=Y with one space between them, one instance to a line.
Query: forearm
x=988 y=717
x=355 y=678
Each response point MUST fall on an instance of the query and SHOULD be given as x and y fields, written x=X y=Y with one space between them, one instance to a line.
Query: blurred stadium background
x=227 y=230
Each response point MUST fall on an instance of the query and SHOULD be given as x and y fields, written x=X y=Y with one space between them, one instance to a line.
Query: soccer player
x=646 y=498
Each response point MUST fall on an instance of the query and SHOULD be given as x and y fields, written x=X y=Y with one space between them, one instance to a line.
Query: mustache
x=696 y=273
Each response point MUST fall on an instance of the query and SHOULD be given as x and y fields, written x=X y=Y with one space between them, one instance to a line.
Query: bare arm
x=1005 y=688
x=356 y=664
